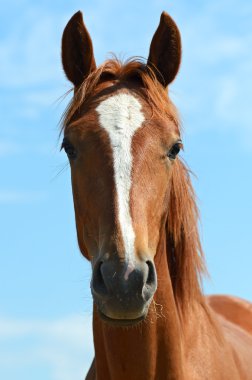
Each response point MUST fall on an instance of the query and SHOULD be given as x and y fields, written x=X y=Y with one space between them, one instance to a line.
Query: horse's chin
x=123 y=322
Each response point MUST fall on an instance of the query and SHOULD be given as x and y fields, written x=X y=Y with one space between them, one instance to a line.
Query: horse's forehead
x=121 y=115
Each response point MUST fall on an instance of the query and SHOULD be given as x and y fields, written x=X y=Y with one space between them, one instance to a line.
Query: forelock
x=134 y=74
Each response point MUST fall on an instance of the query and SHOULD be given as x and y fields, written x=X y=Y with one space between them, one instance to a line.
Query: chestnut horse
x=136 y=222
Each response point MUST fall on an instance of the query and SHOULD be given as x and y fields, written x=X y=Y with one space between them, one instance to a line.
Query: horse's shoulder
x=233 y=309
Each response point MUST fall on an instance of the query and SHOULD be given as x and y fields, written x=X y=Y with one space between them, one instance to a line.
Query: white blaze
x=121 y=116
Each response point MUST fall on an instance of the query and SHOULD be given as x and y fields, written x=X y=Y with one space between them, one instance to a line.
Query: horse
x=137 y=221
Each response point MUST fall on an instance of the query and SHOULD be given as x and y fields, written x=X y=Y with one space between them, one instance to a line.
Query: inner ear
x=165 y=50
x=77 y=50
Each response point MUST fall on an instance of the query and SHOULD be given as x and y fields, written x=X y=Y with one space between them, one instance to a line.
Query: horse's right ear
x=77 y=50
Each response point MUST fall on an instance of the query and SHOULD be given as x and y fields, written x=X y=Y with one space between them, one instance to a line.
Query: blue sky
x=46 y=307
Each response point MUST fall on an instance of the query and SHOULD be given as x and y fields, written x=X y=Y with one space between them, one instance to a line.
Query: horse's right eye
x=174 y=151
x=69 y=149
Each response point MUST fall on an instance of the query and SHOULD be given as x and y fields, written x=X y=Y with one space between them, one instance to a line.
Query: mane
x=185 y=255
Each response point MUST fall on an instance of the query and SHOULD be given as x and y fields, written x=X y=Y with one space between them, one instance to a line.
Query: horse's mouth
x=122 y=322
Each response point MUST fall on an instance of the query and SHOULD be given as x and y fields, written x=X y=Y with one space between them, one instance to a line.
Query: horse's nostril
x=99 y=272
x=150 y=285
x=151 y=279
x=98 y=284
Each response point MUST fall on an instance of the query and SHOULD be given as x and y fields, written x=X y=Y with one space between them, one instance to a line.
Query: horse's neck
x=150 y=350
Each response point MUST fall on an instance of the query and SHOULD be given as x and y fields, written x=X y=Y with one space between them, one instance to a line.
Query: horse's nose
x=123 y=291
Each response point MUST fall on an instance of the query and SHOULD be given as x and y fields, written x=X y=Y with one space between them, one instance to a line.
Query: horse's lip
x=121 y=322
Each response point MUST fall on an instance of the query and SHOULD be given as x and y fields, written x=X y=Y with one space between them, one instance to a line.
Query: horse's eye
x=69 y=149
x=174 y=151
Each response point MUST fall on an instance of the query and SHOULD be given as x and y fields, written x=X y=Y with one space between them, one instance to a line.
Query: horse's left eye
x=174 y=151
x=69 y=149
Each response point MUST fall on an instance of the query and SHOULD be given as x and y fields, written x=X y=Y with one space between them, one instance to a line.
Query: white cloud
x=11 y=147
x=63 y=345
x=9 y=196
x=8 y=148
x=30 y=62
x=30 y=53
x=30 y=48
x=214 y=87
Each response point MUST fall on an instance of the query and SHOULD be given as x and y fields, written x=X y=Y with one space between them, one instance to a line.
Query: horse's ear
x=165 y=50
x=77 y=50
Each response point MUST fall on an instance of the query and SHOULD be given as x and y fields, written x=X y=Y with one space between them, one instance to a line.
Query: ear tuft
x=77 y=50
x=165 y=50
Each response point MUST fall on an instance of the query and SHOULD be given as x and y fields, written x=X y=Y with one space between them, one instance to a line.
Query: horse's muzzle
x=123 y=292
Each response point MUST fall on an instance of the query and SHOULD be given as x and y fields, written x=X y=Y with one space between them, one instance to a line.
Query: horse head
x=122 y=138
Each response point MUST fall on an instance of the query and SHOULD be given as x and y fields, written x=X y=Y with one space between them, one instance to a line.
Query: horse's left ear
x=77 y=50
x=165 y=50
